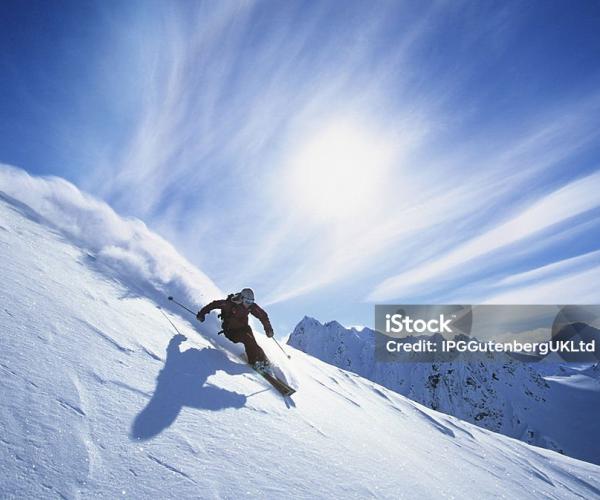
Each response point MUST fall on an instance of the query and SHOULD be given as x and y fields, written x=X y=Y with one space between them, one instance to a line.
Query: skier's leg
x=253 y=351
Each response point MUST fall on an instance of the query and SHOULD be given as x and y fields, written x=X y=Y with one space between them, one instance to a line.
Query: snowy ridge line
x=122 y=247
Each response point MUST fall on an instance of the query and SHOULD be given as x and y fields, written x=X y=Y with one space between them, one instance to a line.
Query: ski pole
x=181 y=305
x=169 y=320
x=189 y=310
x=279 y=345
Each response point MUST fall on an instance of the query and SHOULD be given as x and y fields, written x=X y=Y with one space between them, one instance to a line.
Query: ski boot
x=262 y=366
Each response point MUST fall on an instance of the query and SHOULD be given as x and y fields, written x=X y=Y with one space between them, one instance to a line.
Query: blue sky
x=330 y=155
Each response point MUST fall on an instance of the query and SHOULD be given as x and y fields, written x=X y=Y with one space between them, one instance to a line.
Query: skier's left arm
x=263 y=317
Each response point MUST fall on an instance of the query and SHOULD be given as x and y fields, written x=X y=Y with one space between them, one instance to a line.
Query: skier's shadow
x=182 y=382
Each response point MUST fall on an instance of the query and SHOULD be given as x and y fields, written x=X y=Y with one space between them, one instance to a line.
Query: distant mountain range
x=554 y=406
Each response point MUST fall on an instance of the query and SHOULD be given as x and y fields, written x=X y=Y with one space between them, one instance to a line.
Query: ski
x=284 y=389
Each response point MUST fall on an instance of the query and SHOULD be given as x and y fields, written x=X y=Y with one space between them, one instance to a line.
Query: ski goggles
x=247 y=301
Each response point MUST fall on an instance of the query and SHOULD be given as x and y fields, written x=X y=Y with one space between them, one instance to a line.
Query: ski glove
x=269 y=333
x=200 y=316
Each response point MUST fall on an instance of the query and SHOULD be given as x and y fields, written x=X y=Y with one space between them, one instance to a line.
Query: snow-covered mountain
x=556 y=412
x=102 y=398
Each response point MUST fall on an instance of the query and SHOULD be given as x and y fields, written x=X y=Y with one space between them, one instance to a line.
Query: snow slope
x=507 y=396
x=100 y=397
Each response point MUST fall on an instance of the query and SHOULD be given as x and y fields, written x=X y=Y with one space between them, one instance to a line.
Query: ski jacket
x=235 y=316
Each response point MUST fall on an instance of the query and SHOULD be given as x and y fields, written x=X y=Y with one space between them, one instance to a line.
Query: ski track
x=52 y=489
x=71 y=407
x=337 y=393
x=127 y=387
x=170 y=467
x=434 y=422
x=107 y=338
x=155 y=357
x=8 y=370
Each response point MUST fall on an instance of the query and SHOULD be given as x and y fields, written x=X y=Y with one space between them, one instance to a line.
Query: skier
x=234 y=315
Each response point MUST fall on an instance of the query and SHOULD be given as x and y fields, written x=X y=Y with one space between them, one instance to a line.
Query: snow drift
x=101 y=397
x=124 y=247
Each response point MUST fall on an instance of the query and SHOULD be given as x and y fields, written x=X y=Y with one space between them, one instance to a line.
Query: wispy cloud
x=552 y=271
x=478 y=158
x=578 y=287
x=226 y=106
x=568 y=201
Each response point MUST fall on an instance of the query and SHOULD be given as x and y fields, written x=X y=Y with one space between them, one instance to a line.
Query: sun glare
x=338 y=173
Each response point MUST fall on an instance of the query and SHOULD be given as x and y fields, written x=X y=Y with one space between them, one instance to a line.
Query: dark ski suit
x=235 y=325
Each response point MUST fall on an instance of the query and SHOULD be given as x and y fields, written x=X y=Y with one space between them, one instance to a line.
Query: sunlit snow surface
x=98 y=399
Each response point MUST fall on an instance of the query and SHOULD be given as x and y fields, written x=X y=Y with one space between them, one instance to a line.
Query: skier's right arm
x=215 y=304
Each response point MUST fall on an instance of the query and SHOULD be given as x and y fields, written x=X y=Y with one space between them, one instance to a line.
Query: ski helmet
x=247 y=296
